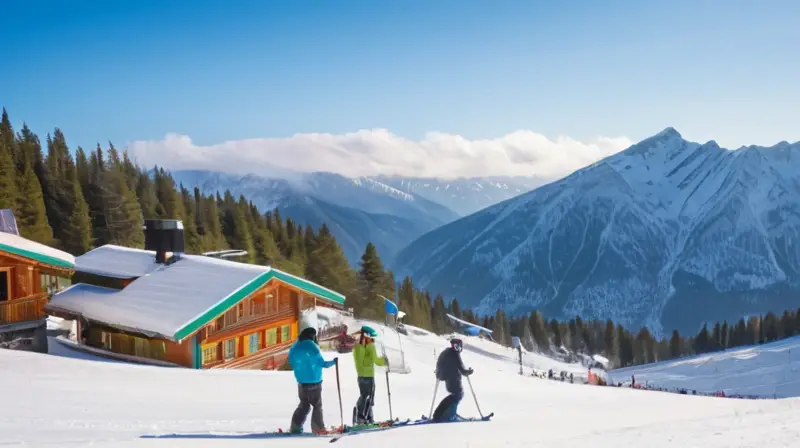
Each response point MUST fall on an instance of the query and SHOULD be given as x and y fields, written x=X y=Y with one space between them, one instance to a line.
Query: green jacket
x=366 y=359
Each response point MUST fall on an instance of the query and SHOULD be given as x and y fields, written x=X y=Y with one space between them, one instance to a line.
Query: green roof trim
x=307 y=286
x=248 y=289
x=41 y=258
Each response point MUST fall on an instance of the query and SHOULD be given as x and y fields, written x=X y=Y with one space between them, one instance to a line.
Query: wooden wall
x=117 y=341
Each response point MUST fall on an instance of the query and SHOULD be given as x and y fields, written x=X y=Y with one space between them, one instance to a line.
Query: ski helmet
x=457 y=344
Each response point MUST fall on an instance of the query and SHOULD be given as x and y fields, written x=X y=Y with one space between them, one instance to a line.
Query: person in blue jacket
x=307 y=363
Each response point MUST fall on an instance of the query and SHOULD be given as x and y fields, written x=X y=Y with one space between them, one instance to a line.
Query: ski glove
x=469 y=372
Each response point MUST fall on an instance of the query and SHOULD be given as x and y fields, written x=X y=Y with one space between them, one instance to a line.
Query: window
x=272 y=303
x=5 y=285
x=252 y=343
x=241 y=309
x=219 y=324
x=229 y=349
x=286 y=333
x=272 y=336
x=210 y=353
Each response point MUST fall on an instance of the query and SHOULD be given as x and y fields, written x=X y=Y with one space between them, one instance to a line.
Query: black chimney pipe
x=163 y=236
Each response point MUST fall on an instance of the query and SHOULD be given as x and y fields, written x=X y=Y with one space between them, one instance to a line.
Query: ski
x=459 y=419
x=371 y=427
x=407 y=423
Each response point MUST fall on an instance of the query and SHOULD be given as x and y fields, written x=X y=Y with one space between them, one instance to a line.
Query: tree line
x=102 y=197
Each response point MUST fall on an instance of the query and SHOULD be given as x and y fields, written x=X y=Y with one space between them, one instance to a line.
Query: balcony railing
x=23 y=310
x=260 y=314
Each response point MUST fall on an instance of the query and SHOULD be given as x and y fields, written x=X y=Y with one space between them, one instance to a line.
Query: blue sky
x=225 y=70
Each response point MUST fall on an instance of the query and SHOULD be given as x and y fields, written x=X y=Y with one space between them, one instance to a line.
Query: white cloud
x=378 y=151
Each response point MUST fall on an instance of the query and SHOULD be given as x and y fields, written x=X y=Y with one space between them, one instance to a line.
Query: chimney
x=164 y=236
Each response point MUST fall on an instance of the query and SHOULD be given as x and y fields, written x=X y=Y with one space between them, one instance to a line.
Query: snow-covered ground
x=769 y=370
x=56 y=400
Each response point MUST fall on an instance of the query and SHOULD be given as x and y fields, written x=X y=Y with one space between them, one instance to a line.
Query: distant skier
x=450 y=368
x=366 y=359
x=307 y=363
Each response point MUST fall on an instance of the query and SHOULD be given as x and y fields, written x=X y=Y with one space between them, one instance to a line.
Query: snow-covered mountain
x=388 y=211
x=464 y=195
x=667 y=233
x=357 y=211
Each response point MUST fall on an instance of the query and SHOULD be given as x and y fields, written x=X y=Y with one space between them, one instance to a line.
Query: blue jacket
x=307 y=363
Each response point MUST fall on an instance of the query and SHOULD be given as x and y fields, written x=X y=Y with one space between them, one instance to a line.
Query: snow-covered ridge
x=667 y=233
x=366 y=182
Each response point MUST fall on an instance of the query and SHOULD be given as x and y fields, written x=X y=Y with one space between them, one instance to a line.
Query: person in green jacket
x=366 y=359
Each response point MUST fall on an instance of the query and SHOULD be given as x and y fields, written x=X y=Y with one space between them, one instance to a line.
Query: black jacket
x=449 y=366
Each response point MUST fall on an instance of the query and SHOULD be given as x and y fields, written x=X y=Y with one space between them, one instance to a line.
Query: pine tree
x=725 y=336
x=611 y=341
x=703 y=340
x=121 y=209
x=8 y=174
x=59 y=196
x=148 y=201
x=556 y=332
x=675 y=345
x=455 y=308
x=439 y=318
x=328 y=266
x=539 y=329
x=770 y=327
x=78 y=231
x=31 y=214
x=372 y=282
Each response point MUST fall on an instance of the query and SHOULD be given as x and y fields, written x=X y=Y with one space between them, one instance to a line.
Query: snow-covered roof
x=117 y=262
x=469 y=324
x=17 y=245
x=175 y=300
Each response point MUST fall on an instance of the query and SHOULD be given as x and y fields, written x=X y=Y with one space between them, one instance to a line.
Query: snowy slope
x=640 y=237
x=51 y=400
x=763 y=370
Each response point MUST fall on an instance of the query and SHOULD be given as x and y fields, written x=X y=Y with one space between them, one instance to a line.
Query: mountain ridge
x=643 y=226
x=357 y=210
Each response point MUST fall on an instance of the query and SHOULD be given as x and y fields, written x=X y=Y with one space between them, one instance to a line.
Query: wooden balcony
x=259 y=318
x=23 y=310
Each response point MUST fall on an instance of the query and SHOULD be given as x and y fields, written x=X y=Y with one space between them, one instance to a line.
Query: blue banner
x=391 y=308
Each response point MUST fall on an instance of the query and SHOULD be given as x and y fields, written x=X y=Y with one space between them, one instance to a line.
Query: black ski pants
x=310 y=396
x=366 y=388
x=449 y=405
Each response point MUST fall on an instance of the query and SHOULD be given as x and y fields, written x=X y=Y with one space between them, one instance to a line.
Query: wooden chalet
x=161 y=306
x=29 y=273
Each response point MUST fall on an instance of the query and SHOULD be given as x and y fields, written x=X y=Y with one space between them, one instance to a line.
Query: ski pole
x=473 y=396
x=435 y=388
x=339 y=391
x=388 y=390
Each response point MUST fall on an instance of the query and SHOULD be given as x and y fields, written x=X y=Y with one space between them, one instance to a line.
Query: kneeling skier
x=450 y=368
x=366 y=359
